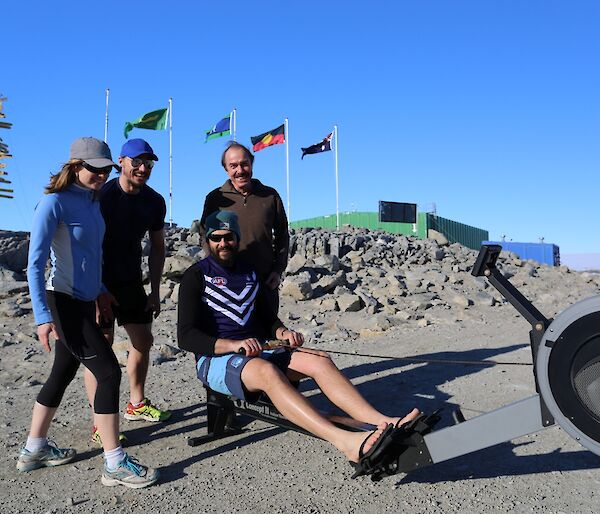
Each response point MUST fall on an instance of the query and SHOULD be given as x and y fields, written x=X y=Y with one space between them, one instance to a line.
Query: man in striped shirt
x=224 y=320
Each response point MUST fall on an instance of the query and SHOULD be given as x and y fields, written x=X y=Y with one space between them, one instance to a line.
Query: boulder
x=176 y=265
x=438 y=237
x=295 y=264
x=298 y=287
x=327 y=262
x=328 y=283
x=349 y=302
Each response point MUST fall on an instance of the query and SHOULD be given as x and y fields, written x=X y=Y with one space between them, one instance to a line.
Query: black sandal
x=422 y=424
x=375 y=458
x=406 y=439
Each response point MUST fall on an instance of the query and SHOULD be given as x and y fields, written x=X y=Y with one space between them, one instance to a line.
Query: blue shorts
x=223 y=373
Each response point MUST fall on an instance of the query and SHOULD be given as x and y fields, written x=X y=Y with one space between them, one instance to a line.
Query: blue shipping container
x=544 y=253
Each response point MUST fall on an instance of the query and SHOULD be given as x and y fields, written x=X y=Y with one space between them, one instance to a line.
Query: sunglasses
x=136 y=162
x=217 y=238
x=98 y=171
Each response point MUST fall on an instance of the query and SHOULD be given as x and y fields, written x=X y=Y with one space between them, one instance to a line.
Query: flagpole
x=337 y=182
x=287 y=166
x=170 y=162
x=106 y=117
x=234 y=116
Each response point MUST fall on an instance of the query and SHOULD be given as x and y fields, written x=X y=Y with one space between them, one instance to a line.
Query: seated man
x=223 y=320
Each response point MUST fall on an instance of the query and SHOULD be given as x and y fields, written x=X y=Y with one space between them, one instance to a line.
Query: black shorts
x=132 y=300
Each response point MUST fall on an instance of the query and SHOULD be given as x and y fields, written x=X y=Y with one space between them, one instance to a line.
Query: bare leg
x=108 y=425
x=108 y=428
x=260 y=375
x=339 y=389
x=40 y=420
x=139 y=358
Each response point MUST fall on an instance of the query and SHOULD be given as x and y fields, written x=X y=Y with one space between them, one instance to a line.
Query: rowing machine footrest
x=410 y=449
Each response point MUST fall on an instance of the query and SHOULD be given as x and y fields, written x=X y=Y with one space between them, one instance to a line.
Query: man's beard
x=229 y=261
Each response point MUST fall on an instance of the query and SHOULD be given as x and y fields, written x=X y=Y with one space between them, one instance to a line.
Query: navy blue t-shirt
x=128 y=217
x=231 y=296
x=219 y=302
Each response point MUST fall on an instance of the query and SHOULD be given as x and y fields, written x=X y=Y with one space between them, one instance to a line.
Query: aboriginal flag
x=321 y=146
x=273 y=137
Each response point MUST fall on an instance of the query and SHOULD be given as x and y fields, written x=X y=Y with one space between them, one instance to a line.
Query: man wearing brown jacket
x=263 y=222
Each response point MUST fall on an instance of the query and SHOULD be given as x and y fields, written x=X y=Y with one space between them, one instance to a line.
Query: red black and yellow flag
x=273 y=137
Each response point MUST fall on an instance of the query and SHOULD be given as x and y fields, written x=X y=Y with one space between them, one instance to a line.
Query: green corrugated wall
x=454 y=231
x=457 y=232
x=368 y=220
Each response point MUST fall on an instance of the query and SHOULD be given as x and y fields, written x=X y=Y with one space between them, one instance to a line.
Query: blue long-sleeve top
x=69 y=224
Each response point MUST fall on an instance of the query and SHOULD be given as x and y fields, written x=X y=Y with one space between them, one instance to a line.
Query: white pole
x=287 y=165
x=337 y=182
x=106 y=117
x=170 y=162
x=233 y=121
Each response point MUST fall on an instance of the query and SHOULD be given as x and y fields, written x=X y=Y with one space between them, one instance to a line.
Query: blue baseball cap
x=136 y=147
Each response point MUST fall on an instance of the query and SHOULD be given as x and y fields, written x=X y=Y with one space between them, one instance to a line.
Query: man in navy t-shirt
x=130 y=209
x=223 y=319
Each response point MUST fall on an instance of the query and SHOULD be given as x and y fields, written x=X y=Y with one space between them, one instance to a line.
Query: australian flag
x=321 y=146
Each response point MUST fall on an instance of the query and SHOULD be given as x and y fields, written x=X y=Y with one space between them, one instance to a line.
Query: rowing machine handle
x=486 y=260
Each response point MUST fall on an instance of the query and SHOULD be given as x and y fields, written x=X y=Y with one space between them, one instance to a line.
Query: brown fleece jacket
x=265 y=238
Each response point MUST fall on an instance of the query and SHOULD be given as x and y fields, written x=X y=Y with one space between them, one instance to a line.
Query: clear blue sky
x=490 y=109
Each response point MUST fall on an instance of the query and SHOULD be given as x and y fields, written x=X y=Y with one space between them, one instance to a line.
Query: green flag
x=155 y=120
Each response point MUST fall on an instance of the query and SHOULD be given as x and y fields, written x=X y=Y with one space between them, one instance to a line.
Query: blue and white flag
x=221 y=128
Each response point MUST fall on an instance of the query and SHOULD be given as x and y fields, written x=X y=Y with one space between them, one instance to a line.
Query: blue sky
x=490 y=110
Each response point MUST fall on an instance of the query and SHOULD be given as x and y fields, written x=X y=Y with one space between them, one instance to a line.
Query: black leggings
x=81 y=341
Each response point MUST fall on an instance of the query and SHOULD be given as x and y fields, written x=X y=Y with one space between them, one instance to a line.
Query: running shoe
x=130 y=473
x=96 y=437
x=147 y=412
x=48 y=456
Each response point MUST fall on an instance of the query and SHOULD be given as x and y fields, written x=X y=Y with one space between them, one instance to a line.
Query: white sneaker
x=49 y=455
x=130 y=473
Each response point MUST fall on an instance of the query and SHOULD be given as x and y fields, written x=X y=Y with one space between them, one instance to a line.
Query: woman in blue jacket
x=68 y=224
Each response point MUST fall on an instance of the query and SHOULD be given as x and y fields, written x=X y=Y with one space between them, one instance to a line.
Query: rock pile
x=13 y=250
x=13 y=261
x=409 y=278
x=388 y=279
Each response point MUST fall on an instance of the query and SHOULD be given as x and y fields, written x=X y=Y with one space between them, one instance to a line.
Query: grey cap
x=92 y=151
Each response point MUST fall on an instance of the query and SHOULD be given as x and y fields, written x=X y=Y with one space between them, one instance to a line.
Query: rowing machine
x=566 y=357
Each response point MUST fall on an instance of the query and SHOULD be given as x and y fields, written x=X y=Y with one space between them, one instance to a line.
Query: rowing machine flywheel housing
x=568 y=371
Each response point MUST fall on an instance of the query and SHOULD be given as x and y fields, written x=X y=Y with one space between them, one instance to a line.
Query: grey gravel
x=374 y=296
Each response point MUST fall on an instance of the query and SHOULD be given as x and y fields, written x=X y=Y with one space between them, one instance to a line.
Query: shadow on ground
x=413 y=385
x=501 y=460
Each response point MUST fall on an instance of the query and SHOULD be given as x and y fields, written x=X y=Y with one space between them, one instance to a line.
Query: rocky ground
x=376 y=298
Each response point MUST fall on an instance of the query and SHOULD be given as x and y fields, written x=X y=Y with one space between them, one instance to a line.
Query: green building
x=454 y=231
